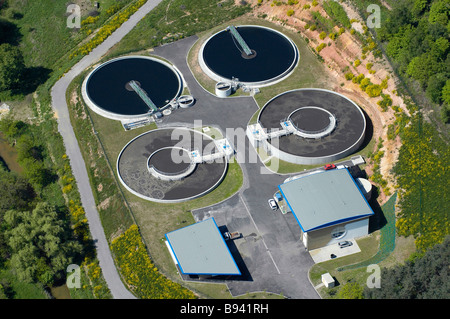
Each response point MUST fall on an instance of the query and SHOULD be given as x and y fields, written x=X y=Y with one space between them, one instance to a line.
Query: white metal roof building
x=328 y=206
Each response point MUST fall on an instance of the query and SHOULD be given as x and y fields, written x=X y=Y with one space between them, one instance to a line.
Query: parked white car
x=273 y=204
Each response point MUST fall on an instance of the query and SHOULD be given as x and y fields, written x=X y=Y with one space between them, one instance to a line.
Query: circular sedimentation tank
x=326 y=126
x=159 y=166
x=171 y=163
x=118 y=89
x=273 y=56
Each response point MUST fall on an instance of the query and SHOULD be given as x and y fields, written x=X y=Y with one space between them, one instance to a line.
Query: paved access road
x=59 y=105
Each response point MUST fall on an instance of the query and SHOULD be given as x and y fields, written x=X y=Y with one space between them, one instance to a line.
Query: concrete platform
x=323 y=254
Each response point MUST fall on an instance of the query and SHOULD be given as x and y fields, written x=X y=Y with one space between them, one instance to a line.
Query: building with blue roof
x=329 y=207
x=200 y=249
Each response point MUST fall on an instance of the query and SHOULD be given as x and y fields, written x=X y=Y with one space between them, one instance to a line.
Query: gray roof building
x=200 y=249
x=325 y=199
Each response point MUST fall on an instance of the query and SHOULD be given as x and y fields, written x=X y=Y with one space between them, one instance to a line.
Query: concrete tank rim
x=117 y=116
x=173 y=200
x=216 y=77
x=321 y=159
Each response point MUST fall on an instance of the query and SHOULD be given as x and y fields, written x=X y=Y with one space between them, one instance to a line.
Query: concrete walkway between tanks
x=58 y=93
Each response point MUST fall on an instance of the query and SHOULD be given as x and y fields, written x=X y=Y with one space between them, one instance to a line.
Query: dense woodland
x=421 y=277
x=415 y=36
x=37 y=240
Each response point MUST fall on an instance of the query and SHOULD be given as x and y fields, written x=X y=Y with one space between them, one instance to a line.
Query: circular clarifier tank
x=311 y=119
x=131 y=87
x=326 y=126
x=159 y=166
x=271 y=55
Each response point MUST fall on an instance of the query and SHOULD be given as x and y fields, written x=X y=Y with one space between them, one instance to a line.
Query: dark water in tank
x=274 y=54
x=310 y=120
x=107 y=85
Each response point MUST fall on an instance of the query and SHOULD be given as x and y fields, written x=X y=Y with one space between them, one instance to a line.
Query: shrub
x=349 y=76
x=140 y=273
x=90 y=20
x=373 y=90
x=337 y=13
x=364 y=84
x=107 y=29
x=358 y=79
x=290 y=12
x=321 y=46
x=385 y=102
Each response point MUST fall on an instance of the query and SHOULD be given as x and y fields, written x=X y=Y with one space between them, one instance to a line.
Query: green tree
x=11 y=66
x=36 y=172
x=351 y=291
x=439 y=12
x=40 y=243
x=434 y=87
x=15 y=191
x=422 y=67
x=26 y=148
x=12 y=129
x=446 y=92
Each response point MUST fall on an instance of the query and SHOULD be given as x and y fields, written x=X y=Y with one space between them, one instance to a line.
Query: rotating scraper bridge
x=143 y=95
x=236 y=35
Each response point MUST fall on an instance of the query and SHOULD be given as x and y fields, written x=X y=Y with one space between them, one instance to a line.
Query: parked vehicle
x=273 y=204
x=345 y=243
x=230 y=236
x=329 y=166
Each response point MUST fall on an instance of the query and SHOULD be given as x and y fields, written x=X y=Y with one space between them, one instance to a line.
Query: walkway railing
x=239 y=39
x=143 y=95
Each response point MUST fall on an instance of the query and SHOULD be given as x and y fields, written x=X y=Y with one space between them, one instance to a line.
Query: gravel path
x=59 y=105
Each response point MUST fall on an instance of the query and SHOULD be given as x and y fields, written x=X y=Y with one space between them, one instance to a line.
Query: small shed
x=327 y=280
